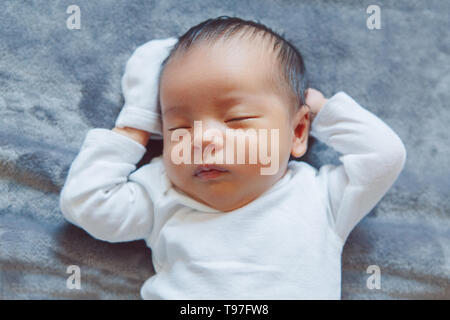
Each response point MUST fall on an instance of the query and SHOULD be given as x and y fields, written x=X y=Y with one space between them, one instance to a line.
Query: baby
x=228 y=229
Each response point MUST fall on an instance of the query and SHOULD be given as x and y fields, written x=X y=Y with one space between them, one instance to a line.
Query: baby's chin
x=224 y=201
x=226 y=194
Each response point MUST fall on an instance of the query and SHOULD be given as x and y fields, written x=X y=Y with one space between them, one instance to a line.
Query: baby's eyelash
x=230 y=120
x=242 y=118
x=172 y=129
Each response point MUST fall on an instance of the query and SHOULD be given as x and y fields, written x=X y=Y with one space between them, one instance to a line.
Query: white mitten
x=140 y=87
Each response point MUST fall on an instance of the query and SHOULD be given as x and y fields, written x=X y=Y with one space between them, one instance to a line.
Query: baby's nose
x=208 y=134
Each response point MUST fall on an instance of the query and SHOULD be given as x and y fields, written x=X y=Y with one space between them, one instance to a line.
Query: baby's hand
x=315 y=100
x=140 y=87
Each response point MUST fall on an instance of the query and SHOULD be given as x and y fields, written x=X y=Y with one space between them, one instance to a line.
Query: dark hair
x=293 y=72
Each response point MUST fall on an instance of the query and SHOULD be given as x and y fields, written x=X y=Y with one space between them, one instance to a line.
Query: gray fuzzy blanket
x=57 y=83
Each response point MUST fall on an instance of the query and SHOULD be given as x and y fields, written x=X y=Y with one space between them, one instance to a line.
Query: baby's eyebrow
x=223 y=102
x=172 y=109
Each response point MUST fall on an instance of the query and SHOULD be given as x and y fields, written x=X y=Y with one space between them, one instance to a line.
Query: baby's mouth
x=209 y=171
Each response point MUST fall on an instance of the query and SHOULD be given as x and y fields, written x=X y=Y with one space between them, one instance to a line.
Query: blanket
x=58 y=81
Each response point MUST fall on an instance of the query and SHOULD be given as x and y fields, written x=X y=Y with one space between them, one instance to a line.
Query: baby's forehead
x=255 y=47
x=244 y=57
x=207 y=69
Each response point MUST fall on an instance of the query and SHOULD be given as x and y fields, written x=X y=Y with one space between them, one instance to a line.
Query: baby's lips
x=208 y=167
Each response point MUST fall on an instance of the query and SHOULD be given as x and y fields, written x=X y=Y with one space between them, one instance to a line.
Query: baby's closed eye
x=234 y=120
x=242 y=118
x=179 y=127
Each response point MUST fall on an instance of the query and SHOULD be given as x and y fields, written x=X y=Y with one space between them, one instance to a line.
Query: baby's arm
x=137 y=135
x=372 y=158
x=97 y=195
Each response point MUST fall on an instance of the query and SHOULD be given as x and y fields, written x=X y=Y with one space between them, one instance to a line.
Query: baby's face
x=224 y=89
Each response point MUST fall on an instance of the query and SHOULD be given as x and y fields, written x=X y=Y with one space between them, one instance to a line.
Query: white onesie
x=286 y=244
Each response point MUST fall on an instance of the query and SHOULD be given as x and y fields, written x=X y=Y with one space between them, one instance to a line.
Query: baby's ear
x=301 y=125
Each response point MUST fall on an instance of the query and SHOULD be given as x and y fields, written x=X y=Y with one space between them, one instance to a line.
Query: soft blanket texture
x=57 y=83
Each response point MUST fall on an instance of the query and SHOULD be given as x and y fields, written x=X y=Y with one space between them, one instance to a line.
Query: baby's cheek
x=174 y=171
x=278 y=152
x=178 y=152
